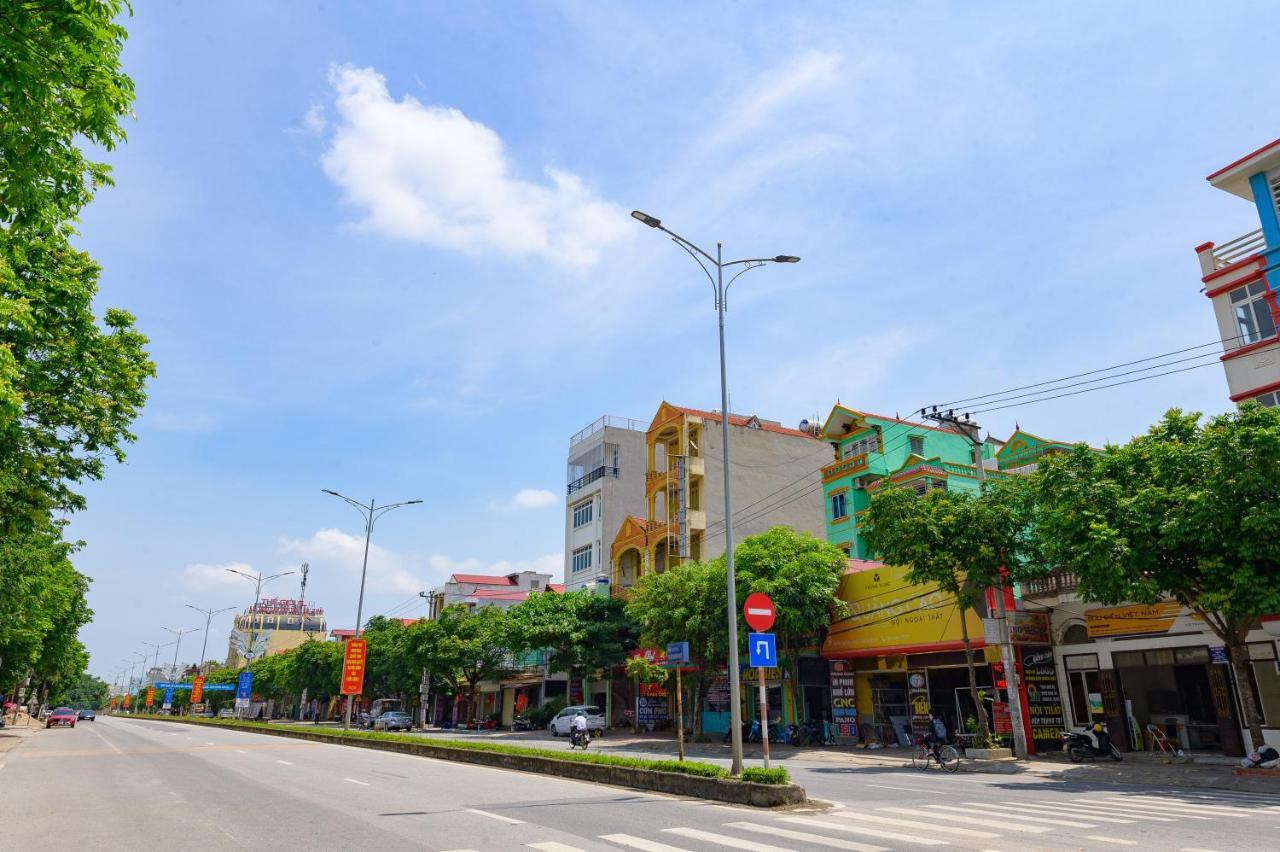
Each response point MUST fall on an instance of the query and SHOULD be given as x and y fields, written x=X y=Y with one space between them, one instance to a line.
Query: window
x=1266 y=680
x=1253 y=314
x=582 y=514
x=868 y=444
x=582 y=558
x=1270 y=400
x=917 y=445
x=838 y=509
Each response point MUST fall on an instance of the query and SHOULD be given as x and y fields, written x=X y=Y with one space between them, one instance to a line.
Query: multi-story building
x=1242 y=277
x=774 y=476
x=605 y=485
x=500 y=590
x=273 y=625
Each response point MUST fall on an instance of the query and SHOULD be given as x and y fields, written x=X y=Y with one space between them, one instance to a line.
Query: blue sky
x=383 y=248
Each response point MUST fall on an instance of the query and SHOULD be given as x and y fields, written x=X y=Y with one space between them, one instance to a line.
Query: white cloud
x=200 y=577
x=806 y=76
x=524 y=499
x=429 y=173
x=314 y=121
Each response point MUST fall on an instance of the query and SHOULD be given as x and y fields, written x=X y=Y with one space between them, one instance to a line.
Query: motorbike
x=1089 y=744
x=579 y=738
x=521 y=723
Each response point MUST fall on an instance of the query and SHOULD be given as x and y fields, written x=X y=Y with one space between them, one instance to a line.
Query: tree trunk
x=984 y=729
x=793 y=666
x=1232 y=635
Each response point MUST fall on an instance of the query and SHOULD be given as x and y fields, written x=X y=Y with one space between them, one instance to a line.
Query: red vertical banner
x=151 y=695
x=353 y=660
x=197 y=689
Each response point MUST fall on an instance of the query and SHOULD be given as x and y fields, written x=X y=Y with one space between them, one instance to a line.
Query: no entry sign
x=758 y=609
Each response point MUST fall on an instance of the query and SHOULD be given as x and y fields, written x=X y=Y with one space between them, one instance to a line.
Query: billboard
x=353 y=660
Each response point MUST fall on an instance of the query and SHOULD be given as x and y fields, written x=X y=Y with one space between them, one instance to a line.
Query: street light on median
x=257 y=580
x=208 y=617
x=721 y=289
x=370 y=514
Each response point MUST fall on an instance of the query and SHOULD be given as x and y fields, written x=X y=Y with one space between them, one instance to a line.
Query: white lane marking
x=914 y=823
x=870 y=832
x=1167 y=804
x=1120 y=841
x=1002 y=824
x=907 y=789
x=208 y=742
x=640 y=843
x=1004 y=813
x=505 y=819
x=1062 y=811
x=725 y=840
x=1196 y=849
x=1118 y=811
x=110 y=744
x=1143 y=809
x=552 y=846
x=354 y=781
x=285 y=762
x=241 y=751
x=805 y=837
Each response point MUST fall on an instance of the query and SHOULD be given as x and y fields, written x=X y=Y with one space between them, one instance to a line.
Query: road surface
x=115 y=783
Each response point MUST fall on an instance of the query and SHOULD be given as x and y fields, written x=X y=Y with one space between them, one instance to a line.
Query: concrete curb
x=718 y=789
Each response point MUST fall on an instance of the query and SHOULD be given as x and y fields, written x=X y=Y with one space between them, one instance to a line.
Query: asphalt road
x=116 y=783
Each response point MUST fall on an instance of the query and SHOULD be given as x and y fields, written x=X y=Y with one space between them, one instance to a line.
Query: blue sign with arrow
x=763 y=650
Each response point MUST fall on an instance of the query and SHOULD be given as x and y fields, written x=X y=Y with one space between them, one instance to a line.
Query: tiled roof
x=499 y=595
x=740 y=420
x=556 y=587
x=342 y=631
x=483 y=579
x=856 y=565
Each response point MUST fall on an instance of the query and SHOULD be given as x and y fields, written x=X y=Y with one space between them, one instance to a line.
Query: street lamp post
x=721 y=290
x=177 y=644
x=156 y=663
x=370 y=514
x=208 y=617
x=257 y=580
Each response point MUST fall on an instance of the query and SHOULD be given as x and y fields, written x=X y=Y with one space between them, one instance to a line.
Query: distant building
x=502 y=590
x=605 y=484
x=273 y=625
x=1242 y=277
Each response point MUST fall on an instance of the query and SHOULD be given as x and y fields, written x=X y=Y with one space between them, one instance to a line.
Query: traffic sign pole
x=764 y=719
x=679 y=717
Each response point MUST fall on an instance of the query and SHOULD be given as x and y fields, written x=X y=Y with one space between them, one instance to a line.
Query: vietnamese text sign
x=1001 y=721
x=197 y=689
x=844 y=707
x=353 y=660
x=244 y=686
x=1131 y=620
x=918 y=701
x=1028 y=628
x=678 y=652
x=650 y=711
x=151 y=695
x=888 y=615
x=1044 y=702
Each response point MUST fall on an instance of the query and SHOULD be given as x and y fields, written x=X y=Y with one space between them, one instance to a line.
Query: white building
x=605 y=484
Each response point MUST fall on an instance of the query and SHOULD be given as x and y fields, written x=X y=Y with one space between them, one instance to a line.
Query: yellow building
x=271 y=626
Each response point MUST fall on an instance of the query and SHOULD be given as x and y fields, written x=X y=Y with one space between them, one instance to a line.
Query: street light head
x=786 y=258
x=646 y=218
x=327 y=491
x=412 y=502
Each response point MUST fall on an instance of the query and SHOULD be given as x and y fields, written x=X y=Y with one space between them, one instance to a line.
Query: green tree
x=800 y=574
x=954 y=540
x=581 y=630
x=1188 y=511
x=317 y=668
x=463 y=647
x=87 y=692
x=389 y=670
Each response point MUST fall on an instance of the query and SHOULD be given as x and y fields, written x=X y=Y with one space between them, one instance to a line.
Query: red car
x=61 y=716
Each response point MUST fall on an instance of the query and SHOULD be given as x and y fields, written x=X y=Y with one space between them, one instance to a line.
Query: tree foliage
x=1188 y=511
x=461 y=647
x=86 y=692
x=581 y=630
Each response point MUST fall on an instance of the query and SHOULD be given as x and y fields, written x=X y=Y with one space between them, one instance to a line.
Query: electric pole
x=968 y=427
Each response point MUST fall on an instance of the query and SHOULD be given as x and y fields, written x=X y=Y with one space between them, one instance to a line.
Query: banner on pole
x=353 y=660
x=197 y=689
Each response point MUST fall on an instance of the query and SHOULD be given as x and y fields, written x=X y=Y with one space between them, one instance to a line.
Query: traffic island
x=758 y=788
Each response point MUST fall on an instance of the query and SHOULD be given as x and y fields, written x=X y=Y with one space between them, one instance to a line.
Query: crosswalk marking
x=725 y=840
x=1003 y=813
x=640 y=843
x=1168 y=812
x=1116 y=810
x=1003 y=825
x=498 y=817
x=1119 y=841
x=869 y=832
x=1060 y=811
x=884 y=820
x=1166 y=804
x=552 y=846
x=806 y=837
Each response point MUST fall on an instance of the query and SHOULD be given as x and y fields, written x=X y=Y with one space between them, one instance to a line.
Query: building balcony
x=588 y=478
x=1214 y=257
x=1057 y=582
x=845 y=467
x=607 y=420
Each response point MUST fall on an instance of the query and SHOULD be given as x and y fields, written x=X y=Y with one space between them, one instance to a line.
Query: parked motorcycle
x=521 y=723
x=1090 y=744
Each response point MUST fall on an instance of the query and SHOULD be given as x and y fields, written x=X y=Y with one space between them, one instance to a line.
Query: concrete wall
x=614 y=498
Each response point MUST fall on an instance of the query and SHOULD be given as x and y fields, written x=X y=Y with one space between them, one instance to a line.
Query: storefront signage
x=650 y=711
x=1044 y=702
x=1139 y=619
x=888 y=615
x=653 y=690
x=1028 y=628
x=1001 y=721
x=1218 y=654
x=718 y=691
x=844 y=706
x=918 y=701
x=353 y=660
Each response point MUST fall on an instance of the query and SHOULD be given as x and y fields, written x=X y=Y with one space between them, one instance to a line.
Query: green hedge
x=760 y=775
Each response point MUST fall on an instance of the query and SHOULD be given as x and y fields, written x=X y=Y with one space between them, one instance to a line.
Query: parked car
x=559 y=726
x=393 y=720
x=62 y=716
x=86 y=714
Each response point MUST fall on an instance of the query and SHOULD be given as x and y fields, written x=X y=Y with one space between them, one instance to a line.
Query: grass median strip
x=687 y=767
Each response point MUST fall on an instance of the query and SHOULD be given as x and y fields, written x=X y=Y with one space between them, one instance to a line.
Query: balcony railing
x=1238 y=249
x=588 y=478
x=608 y=420
x=1058 y=581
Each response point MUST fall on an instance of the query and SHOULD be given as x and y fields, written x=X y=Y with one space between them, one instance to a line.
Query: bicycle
x=946 y=755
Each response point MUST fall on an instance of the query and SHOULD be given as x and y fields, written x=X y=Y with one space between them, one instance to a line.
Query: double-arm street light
x=155 y=663
x=208 y=617
x=177 y=643
x=721 y=289
x=370 y=514
x=257 y=580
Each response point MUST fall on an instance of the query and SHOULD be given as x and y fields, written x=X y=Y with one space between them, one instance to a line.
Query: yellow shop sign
x=1132 y=620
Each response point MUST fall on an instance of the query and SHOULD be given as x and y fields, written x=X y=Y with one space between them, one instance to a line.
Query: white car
x=559 y=726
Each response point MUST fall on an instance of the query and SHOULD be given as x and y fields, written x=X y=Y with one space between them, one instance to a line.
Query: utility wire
x=1099 y=387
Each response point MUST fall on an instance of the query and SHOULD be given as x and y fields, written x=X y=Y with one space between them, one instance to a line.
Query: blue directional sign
x=244 y=686
x=678 y=652
x=763 y=650
x=219 y=687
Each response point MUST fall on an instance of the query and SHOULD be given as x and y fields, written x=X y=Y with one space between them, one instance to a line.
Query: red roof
x=342 y=632
x=856 y=565
x=483 y=579
x=741 y=420
x=1245 y=158
x=556 y=587
x=499 y=595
